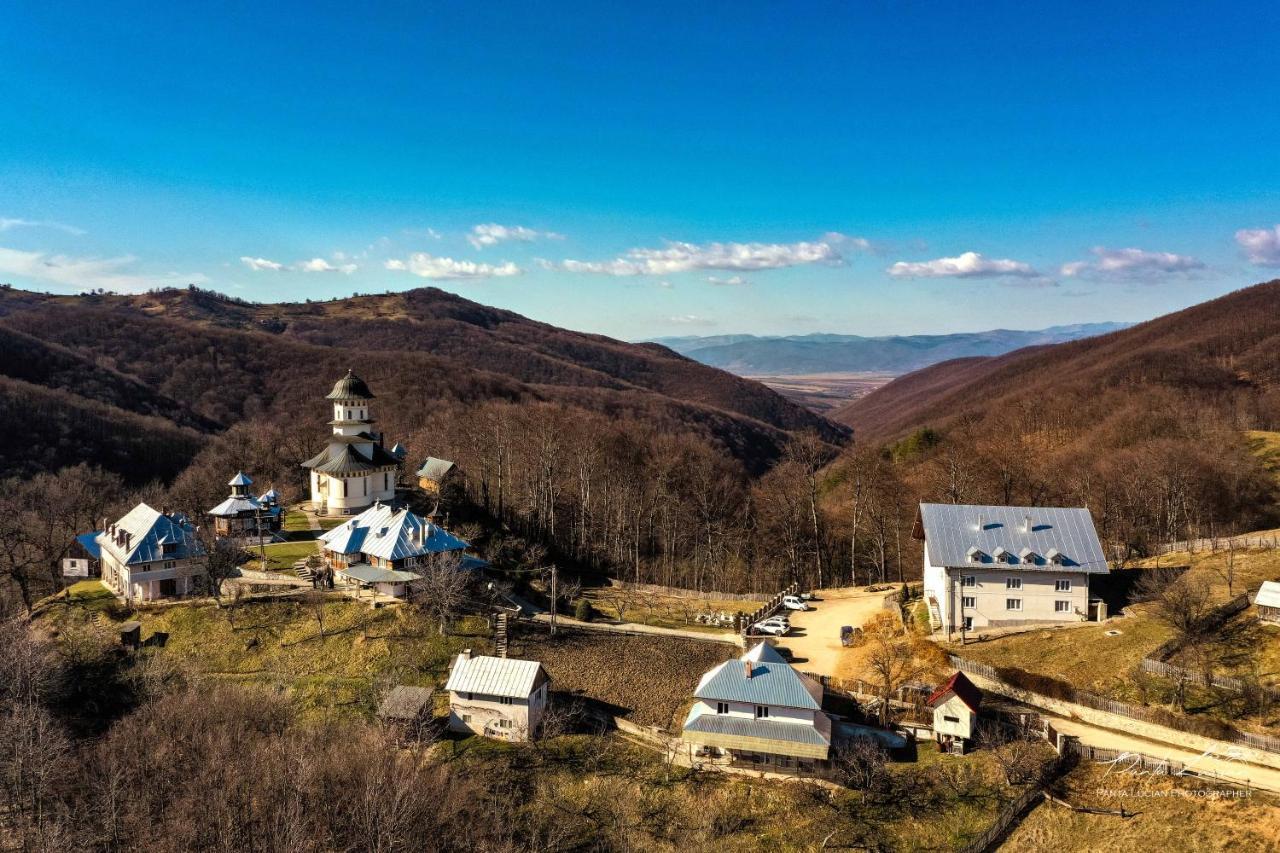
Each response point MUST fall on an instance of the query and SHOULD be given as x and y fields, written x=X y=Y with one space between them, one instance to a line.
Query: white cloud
x=8 y=224
x=1131 y=265
x=321 y=265
x=424 y=265
x=861 y=244
x=1260 y=245
x=681 y=257
x=967 y=265
x=690 y=320
x=114 y=274
x=261 y=264
x=733 y=280
x=491 y=234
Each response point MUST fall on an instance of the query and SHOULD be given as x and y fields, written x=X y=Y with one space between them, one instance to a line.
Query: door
x=169 y=586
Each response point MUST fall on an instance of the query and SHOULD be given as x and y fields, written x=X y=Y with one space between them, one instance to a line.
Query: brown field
x=1173 y=814
x=648 y=680
x=825 y=392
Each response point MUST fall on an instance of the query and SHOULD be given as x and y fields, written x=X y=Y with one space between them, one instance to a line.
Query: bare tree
x=1014 y=749
x=221 y=562
x=860 y=763
x=891 y=658
x=315 y=601
x=441 y=589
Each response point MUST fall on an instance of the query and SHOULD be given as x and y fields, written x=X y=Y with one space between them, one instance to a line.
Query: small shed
x=405 y=705
x=433 y=474
x=955 y=712
x=1268 y=602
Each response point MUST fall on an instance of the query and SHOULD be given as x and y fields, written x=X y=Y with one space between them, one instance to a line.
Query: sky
x=648 y=169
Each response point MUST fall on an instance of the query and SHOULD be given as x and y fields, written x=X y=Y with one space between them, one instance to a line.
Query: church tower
x=355 y=470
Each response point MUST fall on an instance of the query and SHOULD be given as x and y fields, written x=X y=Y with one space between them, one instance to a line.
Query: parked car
x=770 y=626
x=794 y=602
x=846 y=635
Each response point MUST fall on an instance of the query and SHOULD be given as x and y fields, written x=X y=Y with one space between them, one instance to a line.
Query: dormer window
x=1053 y=555
x=1001 y=555
x=1028 y=556
x=975 y=555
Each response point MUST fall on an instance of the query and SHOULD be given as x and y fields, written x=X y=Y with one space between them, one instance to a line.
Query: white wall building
x=354 y=470
x=149 y=554
x=1000 y=566
x=497 y=697
x=955 y=712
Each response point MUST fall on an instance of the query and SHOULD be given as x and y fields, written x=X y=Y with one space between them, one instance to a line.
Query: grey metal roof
x=722 y=724
x=1268 y=594
x=773 y=682
x=240 y=479
x=350 y=387
x=341 y=457
x=235 y=505
x=404 y=702
x=150 y=530
x=495 y=676
x=435 y=469
x=390 y=534
x=950 y=530
x=366 y=573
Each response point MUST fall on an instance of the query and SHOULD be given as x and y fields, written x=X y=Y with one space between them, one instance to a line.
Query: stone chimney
x=746 y=668
x=466 y=654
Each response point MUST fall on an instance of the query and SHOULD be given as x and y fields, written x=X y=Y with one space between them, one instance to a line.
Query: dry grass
x=1171 y=816
x=1266 y=446
x=661 y=610
x=647 y=679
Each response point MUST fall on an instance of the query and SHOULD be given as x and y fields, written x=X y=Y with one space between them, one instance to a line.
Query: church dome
x=350 y=387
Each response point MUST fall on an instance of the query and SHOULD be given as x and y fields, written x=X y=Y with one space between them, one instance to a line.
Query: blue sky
x=650 y=169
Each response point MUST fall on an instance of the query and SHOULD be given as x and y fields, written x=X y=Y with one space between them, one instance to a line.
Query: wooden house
x=435 y=473
x=955 y=713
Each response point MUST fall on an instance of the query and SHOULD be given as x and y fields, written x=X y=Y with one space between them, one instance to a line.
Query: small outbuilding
x=434 y=473
x=1268 y=602
x=406 y=706
x=955 y=713
x=497 y=697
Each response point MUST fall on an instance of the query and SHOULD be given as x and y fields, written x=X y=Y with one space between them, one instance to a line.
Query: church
x=354 y=471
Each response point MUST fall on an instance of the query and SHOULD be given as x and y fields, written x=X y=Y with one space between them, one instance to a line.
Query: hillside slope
x=203 y=362
x=1220 y=355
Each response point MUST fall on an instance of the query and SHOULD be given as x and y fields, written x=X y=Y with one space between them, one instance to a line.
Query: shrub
x=583 y=611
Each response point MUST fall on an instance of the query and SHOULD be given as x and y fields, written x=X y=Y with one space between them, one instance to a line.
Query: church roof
x=350 y=387
x=236 y=505
x=342 y=458
x=390 y=534
x=240 y=479
x=148 y=531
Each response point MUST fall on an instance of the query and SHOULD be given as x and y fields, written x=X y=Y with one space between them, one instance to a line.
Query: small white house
x=955 y=712
x=149 y=554
x=497 y=697
x=1268 y=602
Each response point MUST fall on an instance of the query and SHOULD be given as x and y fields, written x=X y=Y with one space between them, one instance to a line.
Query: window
x=505 y=700
x=969 y=580
x=1062 y=586
x=344 y=488
x=968 y=623
x=504 y=723
x=470 y=696
x=950 y=719
x=466 y=718
x=762 y=712
x=1013 y=583
x=968 y=601
x=1062 y=607
x=722 y=707
x=169 y=564
x=1013 y=604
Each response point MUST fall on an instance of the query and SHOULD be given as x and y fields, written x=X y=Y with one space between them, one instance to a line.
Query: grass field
x=660 y=610
x=282 y=555
x=296 y=521
x=1170 y=815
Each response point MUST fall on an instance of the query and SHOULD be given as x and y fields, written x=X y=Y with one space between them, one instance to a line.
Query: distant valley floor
x=824 y=392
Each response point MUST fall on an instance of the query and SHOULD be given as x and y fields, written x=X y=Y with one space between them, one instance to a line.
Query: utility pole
x=553 y=599
x=257 y=523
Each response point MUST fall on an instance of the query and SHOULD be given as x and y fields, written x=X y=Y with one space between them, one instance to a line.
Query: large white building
x=354 y=470
x=149 y=554
x=1002 y=566
x=497 y=697
x=758 y=708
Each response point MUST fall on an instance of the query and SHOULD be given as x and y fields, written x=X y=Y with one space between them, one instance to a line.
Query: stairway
x=935 y=615
x=500 y=635
x=302 y=570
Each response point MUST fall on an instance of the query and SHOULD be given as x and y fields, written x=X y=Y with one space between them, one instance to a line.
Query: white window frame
x=1061 y=606
x=1013 y=583
x=1014 y=604
x=968 y=602
x=968 y=580
x=1062 y=585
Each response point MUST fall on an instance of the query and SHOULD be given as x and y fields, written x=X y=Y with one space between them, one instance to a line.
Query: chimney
x=746 y=668
x=982 y=524
x=1028 y=527
x=466 y=654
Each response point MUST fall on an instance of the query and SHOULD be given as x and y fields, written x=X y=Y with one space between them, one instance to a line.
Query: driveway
x=814 y=640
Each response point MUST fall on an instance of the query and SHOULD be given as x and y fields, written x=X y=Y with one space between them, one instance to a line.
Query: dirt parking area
x=814 y=640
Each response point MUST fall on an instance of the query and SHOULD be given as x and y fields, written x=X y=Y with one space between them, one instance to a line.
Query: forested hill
x=100 y=375
x=1221 y=356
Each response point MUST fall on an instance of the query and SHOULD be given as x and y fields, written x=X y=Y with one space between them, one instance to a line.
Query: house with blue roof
x=148 y=554
x=1006 y=566
x=759 y=709
x=83 y=559
x=380 y=548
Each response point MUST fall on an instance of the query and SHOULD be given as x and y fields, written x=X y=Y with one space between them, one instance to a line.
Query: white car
x=773 y=627
x=794 y=602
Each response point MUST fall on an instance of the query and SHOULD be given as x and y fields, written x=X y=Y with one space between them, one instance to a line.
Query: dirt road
x=814 y=640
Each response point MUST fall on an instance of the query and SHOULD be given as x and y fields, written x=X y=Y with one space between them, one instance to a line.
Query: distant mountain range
x=794 y=355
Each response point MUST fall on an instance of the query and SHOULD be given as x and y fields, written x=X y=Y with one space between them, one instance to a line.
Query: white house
x=497 y=697
x=354 y=470
x=955 y=712
x=1268 y=601
x=149 y=554
x=996 y=566
x=758 y=709
x=381 y=546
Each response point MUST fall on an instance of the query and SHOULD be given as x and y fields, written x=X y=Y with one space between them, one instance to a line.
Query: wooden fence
x=1141 y=713
x=680 y=592
x=1220 y=682
x=1011 y=813
x=769 y=608
x=1218 y=543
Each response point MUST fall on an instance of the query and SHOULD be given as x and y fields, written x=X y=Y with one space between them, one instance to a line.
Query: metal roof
x=235 y=505
x=149 y=530
x=950 y=530
x=957 y=685
x=366 y=573
x=495 y=676
x=390 y=534
x=1268 y=594
x=89 y=541
x=240 y=480
x=723 y=724
x=435 y=469
x=340 y=457
x=270 y=496
x=773 y=682
x=350 y=387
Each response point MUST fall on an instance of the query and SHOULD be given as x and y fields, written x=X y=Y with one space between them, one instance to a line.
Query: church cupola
x=350 y=396
x=240 y=484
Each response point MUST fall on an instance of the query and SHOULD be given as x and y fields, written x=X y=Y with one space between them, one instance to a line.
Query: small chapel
x=355 y=470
